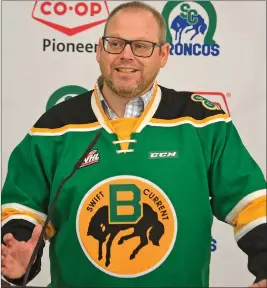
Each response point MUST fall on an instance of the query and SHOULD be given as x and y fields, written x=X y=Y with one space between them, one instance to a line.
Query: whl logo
x=191 y=27
x=70 y=17
x=91 y=158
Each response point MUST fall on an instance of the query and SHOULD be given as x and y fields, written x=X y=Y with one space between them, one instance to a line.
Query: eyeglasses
x=140 y=48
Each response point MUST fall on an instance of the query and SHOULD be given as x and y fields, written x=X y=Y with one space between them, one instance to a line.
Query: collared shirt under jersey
x=134 y=108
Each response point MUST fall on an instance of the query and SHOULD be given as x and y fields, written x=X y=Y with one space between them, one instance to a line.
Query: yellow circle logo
x=126 y=226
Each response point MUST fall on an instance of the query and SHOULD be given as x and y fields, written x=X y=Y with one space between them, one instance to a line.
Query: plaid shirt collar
x=134 y=108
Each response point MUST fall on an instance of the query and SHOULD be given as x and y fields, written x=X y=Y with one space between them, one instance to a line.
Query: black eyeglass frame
x=104 y=38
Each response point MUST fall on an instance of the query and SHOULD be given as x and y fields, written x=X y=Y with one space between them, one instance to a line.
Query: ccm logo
x=156 y=155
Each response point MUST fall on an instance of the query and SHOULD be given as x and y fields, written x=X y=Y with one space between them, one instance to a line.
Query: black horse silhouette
x=99 y=228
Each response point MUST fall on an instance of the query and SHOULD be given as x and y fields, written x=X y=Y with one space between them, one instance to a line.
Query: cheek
x=107 y=63
x=151 y=67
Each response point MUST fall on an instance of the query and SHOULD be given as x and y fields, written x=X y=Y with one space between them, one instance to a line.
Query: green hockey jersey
x=139 y=210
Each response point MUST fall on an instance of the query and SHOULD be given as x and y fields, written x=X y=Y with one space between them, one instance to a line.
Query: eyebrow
x=139 y=38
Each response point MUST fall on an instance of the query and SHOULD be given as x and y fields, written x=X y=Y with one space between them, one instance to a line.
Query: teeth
x=128 y=70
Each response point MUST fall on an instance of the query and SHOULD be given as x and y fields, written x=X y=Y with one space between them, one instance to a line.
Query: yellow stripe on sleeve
x=254 y=212
x=9 y=212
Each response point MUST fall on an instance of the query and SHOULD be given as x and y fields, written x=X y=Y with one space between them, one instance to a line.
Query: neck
x=116 y=102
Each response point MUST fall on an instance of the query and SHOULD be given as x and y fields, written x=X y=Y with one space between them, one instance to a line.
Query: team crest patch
x=126 y=226
x=205 y=102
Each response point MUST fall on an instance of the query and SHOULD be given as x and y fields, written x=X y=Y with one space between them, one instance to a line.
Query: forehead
x=134 y=24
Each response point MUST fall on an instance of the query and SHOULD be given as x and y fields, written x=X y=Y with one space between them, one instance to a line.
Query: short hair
x=140 y=5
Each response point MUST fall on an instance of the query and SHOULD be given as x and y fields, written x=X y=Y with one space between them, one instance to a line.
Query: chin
x=126 y=82
x=126 y=89
x=125 y=85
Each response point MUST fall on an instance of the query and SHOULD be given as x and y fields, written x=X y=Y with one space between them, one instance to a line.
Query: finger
x=7 y=258
x=3 y=262
x=6 y=266
x=4 y=250
x=255 y=285
x=262 y=283
x=4 y=271
x=9 y=263
x=9 y=239
x=36 y=234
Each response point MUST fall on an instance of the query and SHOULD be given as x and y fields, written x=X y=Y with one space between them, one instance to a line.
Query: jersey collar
x=142 y=120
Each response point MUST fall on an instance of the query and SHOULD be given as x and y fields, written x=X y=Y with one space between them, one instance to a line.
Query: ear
x=99 y=50
x=164 y=54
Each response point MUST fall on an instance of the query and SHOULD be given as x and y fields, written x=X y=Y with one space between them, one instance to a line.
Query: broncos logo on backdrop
x=126 y=226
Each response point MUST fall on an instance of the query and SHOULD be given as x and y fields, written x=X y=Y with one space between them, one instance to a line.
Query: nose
x=127 y=52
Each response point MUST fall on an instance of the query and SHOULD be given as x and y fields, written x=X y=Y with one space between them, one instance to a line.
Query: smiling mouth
x=126 y=70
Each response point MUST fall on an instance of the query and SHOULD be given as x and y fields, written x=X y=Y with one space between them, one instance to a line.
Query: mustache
x=128 y=64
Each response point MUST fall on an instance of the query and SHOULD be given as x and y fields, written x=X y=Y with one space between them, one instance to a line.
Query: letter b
x=114 y=203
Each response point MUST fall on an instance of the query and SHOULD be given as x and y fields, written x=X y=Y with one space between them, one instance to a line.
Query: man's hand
x=16 y=255
x=262 y=284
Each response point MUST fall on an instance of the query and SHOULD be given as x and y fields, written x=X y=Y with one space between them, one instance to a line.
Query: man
x=138 y=212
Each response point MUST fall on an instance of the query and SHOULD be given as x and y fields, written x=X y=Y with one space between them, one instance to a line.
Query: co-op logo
x=70 y=18
x=191 y=27
x=66 y=92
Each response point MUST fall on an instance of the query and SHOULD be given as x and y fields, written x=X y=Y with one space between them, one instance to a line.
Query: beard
x=129 y=92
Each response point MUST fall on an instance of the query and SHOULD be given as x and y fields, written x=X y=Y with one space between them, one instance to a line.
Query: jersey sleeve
x=26 y=191
x=238 y=194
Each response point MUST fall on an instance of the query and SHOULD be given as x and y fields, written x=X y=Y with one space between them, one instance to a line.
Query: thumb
x=35 y=234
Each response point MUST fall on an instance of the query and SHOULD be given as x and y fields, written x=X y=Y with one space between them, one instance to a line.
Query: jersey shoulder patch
x=207 y=104
x=177 y=104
